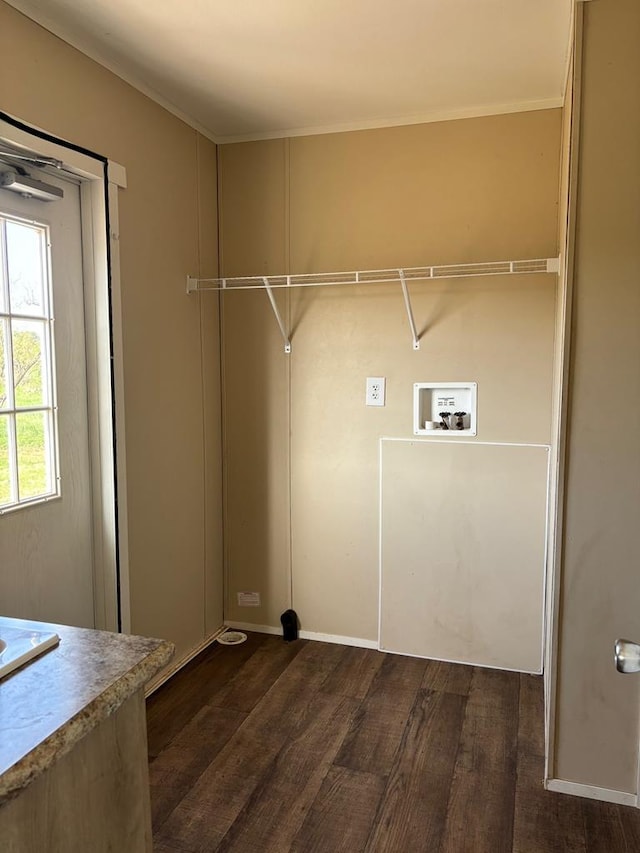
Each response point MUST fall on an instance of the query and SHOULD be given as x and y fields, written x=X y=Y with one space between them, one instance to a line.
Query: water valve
x=447 y=410
x=459 y=419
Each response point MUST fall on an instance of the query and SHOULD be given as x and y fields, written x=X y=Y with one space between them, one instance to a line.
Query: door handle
x=627 y=656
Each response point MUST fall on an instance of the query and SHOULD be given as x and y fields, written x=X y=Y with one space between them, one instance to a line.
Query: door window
x=28 y=440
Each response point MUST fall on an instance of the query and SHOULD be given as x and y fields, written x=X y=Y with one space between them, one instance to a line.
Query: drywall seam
x=203 y=395
x=226 y=594
x=288 y=364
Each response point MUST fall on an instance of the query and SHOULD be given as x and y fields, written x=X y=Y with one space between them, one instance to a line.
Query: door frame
x=568 y=207
x=100 y=181
x=567 y=210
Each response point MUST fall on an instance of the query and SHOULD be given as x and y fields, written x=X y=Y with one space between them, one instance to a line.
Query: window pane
x=4 y=327
x=28 y=368
x=26 y=269
x=32 y=434
x=5 y=470
x=28 y=462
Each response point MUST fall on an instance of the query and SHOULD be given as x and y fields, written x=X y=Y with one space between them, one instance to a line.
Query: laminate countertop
x=50 y=703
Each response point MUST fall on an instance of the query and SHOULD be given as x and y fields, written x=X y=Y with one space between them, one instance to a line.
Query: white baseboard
x=169 y=673
x=249 y=626
x=460 y=662
x=576 y=789
x=358 y=642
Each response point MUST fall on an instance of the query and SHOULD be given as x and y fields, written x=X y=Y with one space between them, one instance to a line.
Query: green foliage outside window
x=30 y=428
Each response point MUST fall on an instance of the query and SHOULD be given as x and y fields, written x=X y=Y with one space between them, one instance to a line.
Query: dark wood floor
x=271 y=747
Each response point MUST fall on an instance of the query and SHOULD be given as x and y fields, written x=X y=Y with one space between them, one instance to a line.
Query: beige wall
x=597 y=710
x=301 y=448
x=167 y=230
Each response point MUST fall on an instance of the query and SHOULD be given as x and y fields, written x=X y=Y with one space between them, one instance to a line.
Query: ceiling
x=251 y=69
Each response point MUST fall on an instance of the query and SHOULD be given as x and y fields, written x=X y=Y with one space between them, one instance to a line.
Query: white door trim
x=561 y=401
x=100 y=181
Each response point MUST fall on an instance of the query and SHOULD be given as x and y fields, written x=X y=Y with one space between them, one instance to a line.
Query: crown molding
x=398 y=121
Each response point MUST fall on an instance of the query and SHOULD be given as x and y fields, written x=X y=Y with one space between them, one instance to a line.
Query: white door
x=46 y=560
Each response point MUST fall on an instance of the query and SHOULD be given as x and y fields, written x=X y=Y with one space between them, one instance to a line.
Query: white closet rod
x=332 y=279
x=402 y=275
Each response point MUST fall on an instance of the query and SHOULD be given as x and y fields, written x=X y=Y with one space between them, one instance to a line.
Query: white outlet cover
x=376 y=389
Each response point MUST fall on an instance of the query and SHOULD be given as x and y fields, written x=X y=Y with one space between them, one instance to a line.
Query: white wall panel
x=463 y=533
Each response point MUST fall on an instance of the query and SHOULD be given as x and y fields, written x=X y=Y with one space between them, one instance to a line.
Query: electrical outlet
x=375 y=391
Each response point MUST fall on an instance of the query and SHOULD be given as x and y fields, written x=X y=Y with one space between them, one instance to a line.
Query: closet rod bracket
x=274 y=306
x=407 y=305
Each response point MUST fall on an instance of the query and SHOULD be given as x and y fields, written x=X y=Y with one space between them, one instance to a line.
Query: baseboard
x=249 y=626
x=461 y=662
x=576 y=789
x=169 y=673
x=358 y=642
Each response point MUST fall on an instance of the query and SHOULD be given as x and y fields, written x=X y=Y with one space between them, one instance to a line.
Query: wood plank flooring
x=271 y=747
